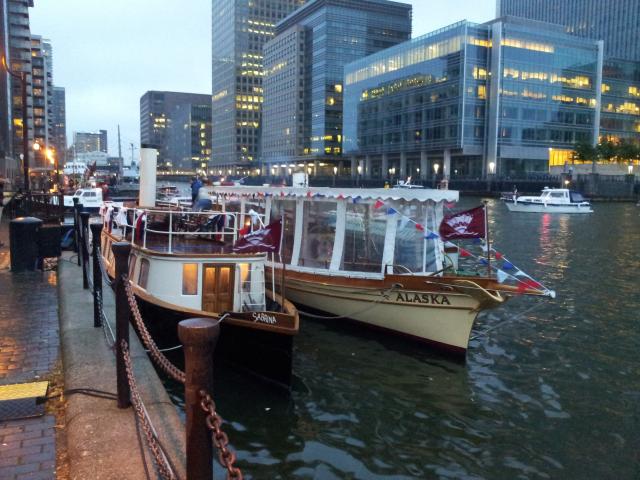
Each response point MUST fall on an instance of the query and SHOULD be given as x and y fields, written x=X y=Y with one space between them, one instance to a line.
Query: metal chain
x=103 y=268
x=162 y=361
x=220 y=439
x=159 y=457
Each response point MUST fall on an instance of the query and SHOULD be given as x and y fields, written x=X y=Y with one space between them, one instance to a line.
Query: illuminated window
x=190 y=279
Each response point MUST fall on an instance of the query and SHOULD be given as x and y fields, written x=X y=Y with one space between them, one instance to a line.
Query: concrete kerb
x=102 y=439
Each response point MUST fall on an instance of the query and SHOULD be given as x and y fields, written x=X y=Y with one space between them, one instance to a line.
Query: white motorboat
x=551 y=200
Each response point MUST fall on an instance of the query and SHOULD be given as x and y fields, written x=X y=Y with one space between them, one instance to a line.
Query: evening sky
x=109 y=53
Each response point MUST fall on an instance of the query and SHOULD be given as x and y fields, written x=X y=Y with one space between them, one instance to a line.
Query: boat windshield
x=577 y=197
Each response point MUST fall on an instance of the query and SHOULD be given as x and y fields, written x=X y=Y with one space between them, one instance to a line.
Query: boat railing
x=174 y=224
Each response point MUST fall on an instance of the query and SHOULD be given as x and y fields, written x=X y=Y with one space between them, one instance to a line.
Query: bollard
x=96 y=231
x=77 y=207
x=121 y=252
x=84 y=233
x=199 y=337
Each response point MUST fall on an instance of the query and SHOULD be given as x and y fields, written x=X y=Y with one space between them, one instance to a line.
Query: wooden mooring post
x=198 y=337
x=96 y=231
x=121 y=252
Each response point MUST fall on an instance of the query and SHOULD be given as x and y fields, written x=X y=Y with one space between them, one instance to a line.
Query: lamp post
x=359 y=175
x=335 y=174
x=436 y=168
x=22 y=77
x=53 y=159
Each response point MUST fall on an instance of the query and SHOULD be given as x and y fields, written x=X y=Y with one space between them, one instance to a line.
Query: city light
x=492 y=167
x=436 y=168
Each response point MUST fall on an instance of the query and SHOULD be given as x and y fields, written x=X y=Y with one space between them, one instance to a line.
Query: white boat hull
x=541 y=208
x=443 y=319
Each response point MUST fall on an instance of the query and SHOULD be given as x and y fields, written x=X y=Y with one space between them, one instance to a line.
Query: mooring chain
x=103 y=268
x=220 y=439
x=162 y=361
x=159 y=457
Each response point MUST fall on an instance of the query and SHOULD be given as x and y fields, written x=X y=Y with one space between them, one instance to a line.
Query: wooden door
x=217 y=288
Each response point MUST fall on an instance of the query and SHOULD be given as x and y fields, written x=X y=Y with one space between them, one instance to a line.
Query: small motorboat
x=551 y=200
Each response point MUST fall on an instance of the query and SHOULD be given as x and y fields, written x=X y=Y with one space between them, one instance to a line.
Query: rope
x=507 y=320
x=371 y=305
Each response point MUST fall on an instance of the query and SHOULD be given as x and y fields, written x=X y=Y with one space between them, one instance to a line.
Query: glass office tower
x=240 y=30
x=616 y=21
x=305 y=68
x=473 y=99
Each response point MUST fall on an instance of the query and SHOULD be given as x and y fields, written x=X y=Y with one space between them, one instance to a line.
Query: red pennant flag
x=309 y=194
x=340 y=197
x=419 y=227
x=266 y=239
x=282 y=194
x=244 y=231
x=499 y=256
x=379 y=204
x=527 y=284
x=467 y=224
x=464 y=253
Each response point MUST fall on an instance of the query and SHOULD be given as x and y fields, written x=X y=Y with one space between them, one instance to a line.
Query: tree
x=627 y=151
x=585 y=152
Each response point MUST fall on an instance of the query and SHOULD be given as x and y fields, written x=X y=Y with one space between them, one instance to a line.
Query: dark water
x=552 y=392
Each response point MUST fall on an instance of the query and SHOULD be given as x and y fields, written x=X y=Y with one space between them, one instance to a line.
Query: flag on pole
x=266 y=239
x=502 y=276
x=467 y=224
x=379 y=204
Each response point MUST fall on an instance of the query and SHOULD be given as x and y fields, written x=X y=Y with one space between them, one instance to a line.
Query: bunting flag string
x=523 y=283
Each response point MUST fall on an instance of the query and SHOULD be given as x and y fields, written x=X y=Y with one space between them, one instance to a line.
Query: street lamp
x=53 y=159
x=359 y=175
x=436 y=168
x=335 y=174
x=492 y=167
x=22 y=77
x=630 y=169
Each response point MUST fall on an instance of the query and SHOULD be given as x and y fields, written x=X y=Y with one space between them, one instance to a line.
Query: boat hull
x=444 y=320
x=541 y=208
x=263 y=353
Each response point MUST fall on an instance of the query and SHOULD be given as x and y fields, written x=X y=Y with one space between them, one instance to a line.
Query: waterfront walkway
x=29 y=350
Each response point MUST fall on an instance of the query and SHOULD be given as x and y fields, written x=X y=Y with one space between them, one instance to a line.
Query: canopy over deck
x=407 y=195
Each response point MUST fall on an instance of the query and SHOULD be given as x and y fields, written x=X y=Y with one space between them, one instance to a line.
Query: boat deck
x=183 y=244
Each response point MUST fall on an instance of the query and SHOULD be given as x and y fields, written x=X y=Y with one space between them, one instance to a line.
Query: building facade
x=616 y=22
x=59 y=124
x=88 y=142
x=240 y=30
x=189 y=138
x=304 y=71
x=156 y=108
x=473 y=100
x=42 y=97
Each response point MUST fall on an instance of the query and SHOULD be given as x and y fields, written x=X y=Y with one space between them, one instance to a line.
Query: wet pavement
x=29 y=349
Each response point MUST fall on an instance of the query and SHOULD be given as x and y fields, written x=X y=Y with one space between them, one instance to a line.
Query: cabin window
x=190 y=279
x=285 y=209
x=252 y=287
x=413 y=252
x=143 y=275
x=132 y=265
x=318 y=234
x=365 y=231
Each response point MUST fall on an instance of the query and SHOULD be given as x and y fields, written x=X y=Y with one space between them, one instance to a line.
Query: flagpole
x=487 y=237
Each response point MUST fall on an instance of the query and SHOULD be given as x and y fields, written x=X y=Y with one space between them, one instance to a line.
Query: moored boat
x=180 y=270
x=373 y=256
x=551 y=200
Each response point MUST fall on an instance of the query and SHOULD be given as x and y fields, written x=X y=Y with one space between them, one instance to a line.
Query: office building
x=5 y=91
x=614 y=21
x=304 y=70
x=189 y=138
x=41 y=96
x=88 y=142
x=240 y=30
x=59 y=124
x=482 y=99
x=156 y=108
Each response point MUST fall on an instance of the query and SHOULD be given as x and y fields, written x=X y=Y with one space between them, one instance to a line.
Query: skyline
x=108 y=90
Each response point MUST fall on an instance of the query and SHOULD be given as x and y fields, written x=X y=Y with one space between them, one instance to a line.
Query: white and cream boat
x=367 y=255
x=182 y=265
x=551 y=200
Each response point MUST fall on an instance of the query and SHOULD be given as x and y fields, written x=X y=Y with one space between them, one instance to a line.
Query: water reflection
x=552 y=392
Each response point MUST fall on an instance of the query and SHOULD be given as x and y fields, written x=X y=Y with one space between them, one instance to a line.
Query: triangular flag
x=355 y=199
x=282 y=194
x=508 y=266
x=432 y=236
x=450 y=204
x=244 y=231
x=391 y=211
x=340 y=197
x=309 y=194
x=464 y=253
x=379 y=204
x=502 y=276
x=520 y=273
x=483 y=261
x=419 y=227
x=477 y=241
x=499 y=256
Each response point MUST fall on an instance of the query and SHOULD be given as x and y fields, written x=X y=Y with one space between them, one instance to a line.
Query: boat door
x=217 y=287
